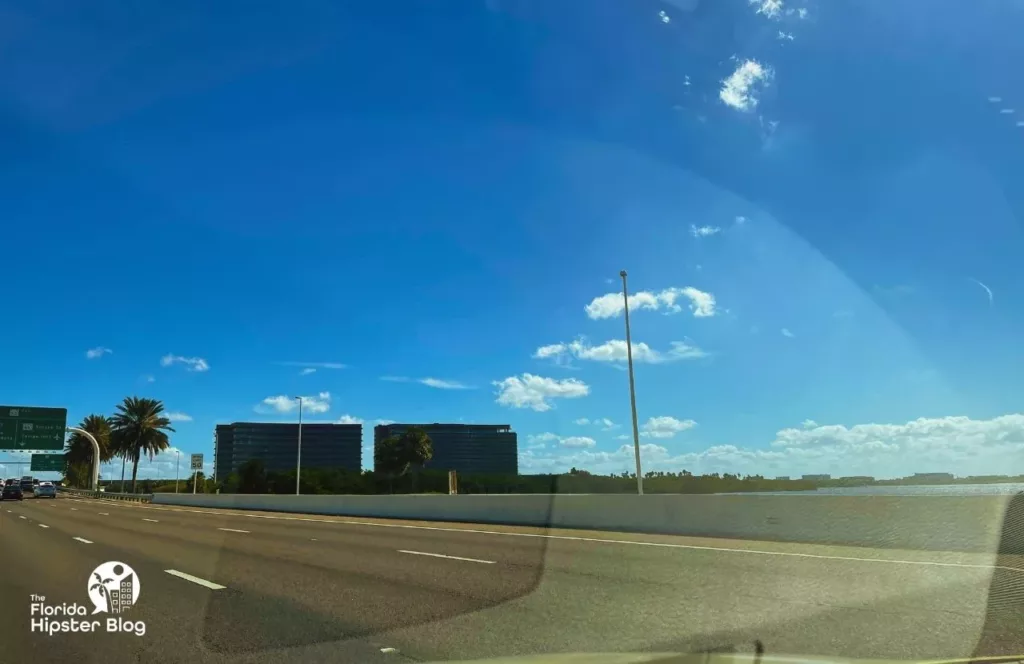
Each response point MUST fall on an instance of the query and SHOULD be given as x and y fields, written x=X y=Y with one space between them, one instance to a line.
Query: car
x=12 y=492
x=26 y=484
x=46 y=490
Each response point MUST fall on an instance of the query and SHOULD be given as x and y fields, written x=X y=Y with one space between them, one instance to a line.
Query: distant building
x=933 y=477
x=857 y=478
x=815 y=478
x=782 y=477
x=323 y=446
x=465 y=448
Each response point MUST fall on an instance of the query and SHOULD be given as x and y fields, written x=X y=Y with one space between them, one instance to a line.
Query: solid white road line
x=233 y=530
x=151 y=520
x=195 y=579
x=82 y=540
x=43 y=525
x=441 y=555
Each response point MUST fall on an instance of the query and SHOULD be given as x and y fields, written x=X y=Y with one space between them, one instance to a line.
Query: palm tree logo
x=101 y=589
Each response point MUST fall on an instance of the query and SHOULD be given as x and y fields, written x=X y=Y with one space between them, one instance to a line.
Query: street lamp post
x=177 y=467
x=95 y=474
x=298 y=459
x=632 y=388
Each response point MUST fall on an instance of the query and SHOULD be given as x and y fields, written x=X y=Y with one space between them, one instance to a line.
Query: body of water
x=1008 y=488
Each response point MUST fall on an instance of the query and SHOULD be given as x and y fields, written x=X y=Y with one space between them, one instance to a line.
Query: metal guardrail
x=103 y=495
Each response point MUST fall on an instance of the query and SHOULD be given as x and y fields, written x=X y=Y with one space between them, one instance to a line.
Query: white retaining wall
x=950 y=523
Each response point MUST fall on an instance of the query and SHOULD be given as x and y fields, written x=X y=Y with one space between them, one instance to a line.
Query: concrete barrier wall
x=946 y=523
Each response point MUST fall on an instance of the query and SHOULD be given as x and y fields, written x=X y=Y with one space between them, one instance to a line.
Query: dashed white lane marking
x=74 y=509
x=313 y=539
x=82 y=540
x=103 y=513
x=10 y=512
x=595 y=540
x=441 y=555
x=233 y=530
x=21 y=516
x=151 y=520
x=389 y=651
x=195 y=579
x=43 y=525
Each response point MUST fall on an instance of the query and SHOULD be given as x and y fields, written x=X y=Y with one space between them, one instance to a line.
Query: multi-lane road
x=223 y=586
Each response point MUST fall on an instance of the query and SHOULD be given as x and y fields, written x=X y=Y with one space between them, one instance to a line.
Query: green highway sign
x=47 y=463
x=30 y=429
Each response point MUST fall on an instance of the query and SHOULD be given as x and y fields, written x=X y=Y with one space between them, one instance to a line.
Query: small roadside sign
x=197 y=462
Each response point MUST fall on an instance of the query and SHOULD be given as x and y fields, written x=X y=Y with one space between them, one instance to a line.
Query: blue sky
x=415 y=215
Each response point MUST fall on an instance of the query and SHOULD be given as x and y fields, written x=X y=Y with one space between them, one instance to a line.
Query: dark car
x=12 y=492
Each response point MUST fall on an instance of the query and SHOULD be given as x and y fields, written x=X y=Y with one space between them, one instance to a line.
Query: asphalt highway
x=223 y=586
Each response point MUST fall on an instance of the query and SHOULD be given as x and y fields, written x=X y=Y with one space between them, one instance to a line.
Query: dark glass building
x=465 y=448
x=323 y=446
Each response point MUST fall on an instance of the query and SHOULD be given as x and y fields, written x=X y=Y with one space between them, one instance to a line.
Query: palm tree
x=78 y=450
x=139 y=428
x=101 y=587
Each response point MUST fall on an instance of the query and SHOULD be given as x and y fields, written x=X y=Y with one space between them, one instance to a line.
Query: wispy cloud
x=148 y=378
x=739 y=89
x=665 y=427
x=177 y=416
x=537 y=392
x=787 y=333
x=197 y=364
x=603 y=422
x=314 y=365
x=283 y=404
x=610 y=305
x=436 y=383
x=580 y=442
x=307 y=371
x=704 y=231
x=988 y=290
x=349 y=419
x=97 y=352
x=769 y=8
x=615 y=351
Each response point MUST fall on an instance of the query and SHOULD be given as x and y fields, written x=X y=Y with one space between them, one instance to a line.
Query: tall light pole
x=94 y=484
x=177 y=466
x=298 y=459
x=632 y=388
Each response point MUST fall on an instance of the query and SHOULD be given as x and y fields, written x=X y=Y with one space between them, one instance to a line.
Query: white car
x=46 y=490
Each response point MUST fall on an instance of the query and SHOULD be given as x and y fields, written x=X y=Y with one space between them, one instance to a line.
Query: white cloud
x=665 y=18
x=444 y=384
x=383 y=421
x=738 y=91
x=610 y=305
x=429 y=382
x=704 y=231
x=787 y=333
x=307 y=371
x=177 y=416
x=615 y=351
x=196 y=364
x=786 y=36
x=988 y=291
x=995 y=100
x=769 y=8
x=1020 y=123
x=283 y=404
x=535 y=392
x=314 y=365
x=1006 y=111
x=802 y=12
x=97 y=352
x=537 y=441
x=808 y=424
x=665 y=427
x=148 y=379
x=603 y=422
x=349 y=419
